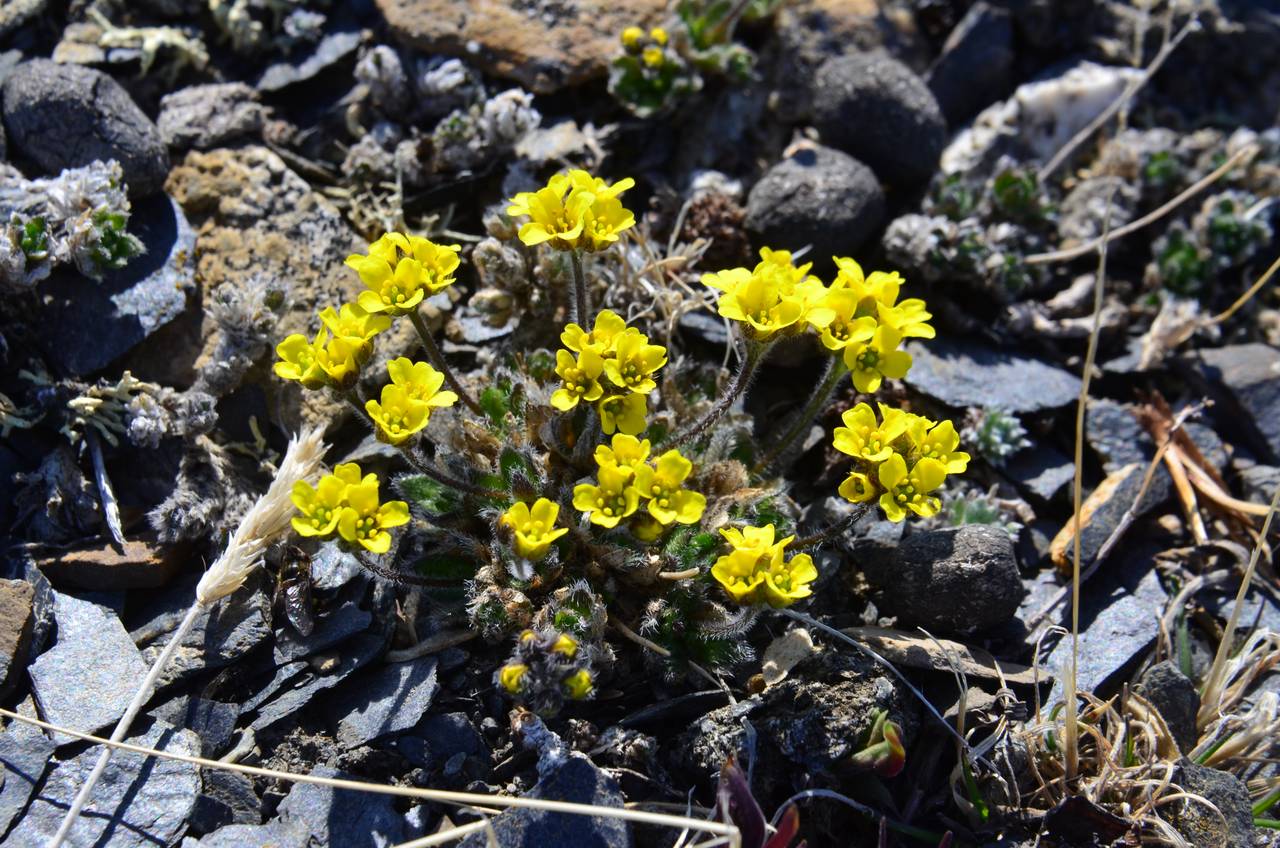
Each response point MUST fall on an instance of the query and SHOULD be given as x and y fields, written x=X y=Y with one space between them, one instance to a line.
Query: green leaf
x=35 y=238
x=495 y=403
x=426 y=494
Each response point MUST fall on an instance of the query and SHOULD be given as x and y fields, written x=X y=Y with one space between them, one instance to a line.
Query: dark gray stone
x=1042 y=472
x=65 y=116
x=1119 y=440
x=332 y=50
x=226 y=797
x=22 y=764
x=1175 y=696
x=876 y=109
x=1258 y=482
x=88 y=325
x=208 y=116
x=1201 y=826
x=16 y=619
x=576 y=781
x=974 y=68
x=317 y=815
x=355 y=654
x=955 y=581
x=1247 y=377
x=392 y=700
x=139 y=802
x=85 y=681
x=819 y=197
x=332 y=627
x=962 y=372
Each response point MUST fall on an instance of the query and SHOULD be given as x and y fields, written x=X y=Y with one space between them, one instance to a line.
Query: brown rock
x=141 y=565
x=544 y=47
x=15 y=629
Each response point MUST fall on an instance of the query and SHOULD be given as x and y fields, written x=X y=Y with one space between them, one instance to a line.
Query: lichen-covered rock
x=1232 y=822
x=1174 y=695
x=207 y=116
x=64 y=116
x=542 y=47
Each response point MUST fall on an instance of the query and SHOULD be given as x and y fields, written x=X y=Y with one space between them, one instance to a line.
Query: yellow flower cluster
x=902 y=458
x=346 y=503
x=516 y=677
x=756 y=569
x=406 y=402
x=649 y=47
x=401 y=270
x=534 y=528
x=625 y=477
x=334 y=356
x=613 y=366
x=857 y=317
x=575 y=211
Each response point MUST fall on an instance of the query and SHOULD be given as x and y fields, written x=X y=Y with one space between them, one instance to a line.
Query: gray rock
x=346 y=619
x=817 y=196
x=87 y=325
x=85 y=681
x=1202 y=827
x=392 y=701
x=439 y=738
x=317 y=815
x=208 y=116
x=22 y=764
x=875 y=108
x=226 y=797
x=1175 y=696
x=955 y=581
x=1119 y=440
x=576 y=781
x=1259 y=482
x=16 y=620
x=335 y=48
x=960 y=372
x=139 y=802
x=974 y=68
x=355 y=654
x=1043 y=472
x=1247 y=376
x=64 y=116
x=15 y=13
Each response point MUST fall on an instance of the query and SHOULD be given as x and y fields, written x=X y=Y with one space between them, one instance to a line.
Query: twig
x=110 y=506
x=1248 y=295
x=679 y=575
x=433 y=645
x=663 y=652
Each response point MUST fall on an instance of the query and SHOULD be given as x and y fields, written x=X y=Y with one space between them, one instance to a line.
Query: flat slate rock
x=962 y=373
x=392 y=699
x=139 y=802
x=1042 y=472
x=22 y=764
x=355 y=654
x=1249 y=375
x=86 y=680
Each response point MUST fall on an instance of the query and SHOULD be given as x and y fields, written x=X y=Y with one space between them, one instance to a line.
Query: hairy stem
x=834 y=530
x=437 y=361
x=751 y=358
x=821 y=394
x=581 y=308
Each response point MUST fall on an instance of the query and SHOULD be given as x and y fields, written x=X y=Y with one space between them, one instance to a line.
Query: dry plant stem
x=1150 y=218
x=122 y=726
x=464 y=799
x=581 y=306
x=438 y=362
x=663 y=652
x=110 y=506
x=821 y=394
x=1248 y=295
x=752 y=355
x=834 y=530
x=432 y=645
x=1213 y=683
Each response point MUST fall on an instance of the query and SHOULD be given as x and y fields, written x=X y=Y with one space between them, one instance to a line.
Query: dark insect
x=293 y=587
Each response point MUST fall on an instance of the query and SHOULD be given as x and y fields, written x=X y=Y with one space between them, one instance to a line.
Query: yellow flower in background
x=349 y=473
x=401 y=270
x=873 y=360
x=420 y=382
x=626 y=452
x=631 y=37
x=608 y=326
x=397 y=416
x=580 y=378
x=938 y=441
x=365 y=521
x=668 y=502
x=653 y=56
x=910 y=317
x=605 y=221
x=863 y=437
x=583 y=181
x=755 y=569
x=355 y=326
x=300 y=361
x=535 y=528
x=610 y=500
x=511 y=677
x=634 y=362
x=319 y=507
x=623 y=414
x=578 y=685
x=909 y=490
x=858 y=488
x=565 y=645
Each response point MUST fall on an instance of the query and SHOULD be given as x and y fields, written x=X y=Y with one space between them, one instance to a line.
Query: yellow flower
x=583 y=181
x=511 y=677
x=626 y=452
x=613 y=499
x=661 y=486
x=439 y=262
x=659 y=35
x=349 y=473
x=609 y=325
x=420 y=382
x=646 y=528
x=864 y=438
x=871 y=361
x=318 y=508
x=877 y=295
x=755 y=569
x=398 y=417
x=365 y=522
x=652 y=56
x=580 y=378
x=300 y=361
x=631 y=37
x=634 y=362
x=910 y=490
x=401 y=270
x=337 y=359
x=578 y=685
x=565 y=645
x=755 y=300
x=355 y=326
x=838 y=321
x=623 y=413
x=604 y=222
x=574 y=210
x=788 y=581
x=535 y=529
x=858 y=488
x=938 y=441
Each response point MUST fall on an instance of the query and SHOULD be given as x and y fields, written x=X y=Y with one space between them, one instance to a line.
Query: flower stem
x=821 y=394
x=751 y=358
x=834 y=530
x=438 y=362
x=581 y=308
